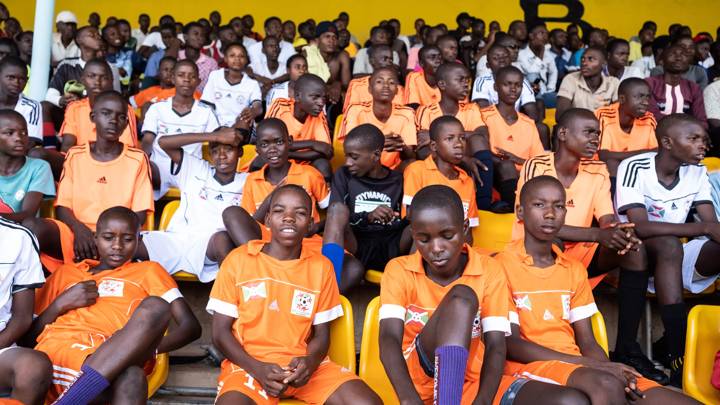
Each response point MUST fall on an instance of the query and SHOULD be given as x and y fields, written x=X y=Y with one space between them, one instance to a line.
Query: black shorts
x=375 y=250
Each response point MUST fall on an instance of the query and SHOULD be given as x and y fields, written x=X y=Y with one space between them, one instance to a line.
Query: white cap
x=66 y=17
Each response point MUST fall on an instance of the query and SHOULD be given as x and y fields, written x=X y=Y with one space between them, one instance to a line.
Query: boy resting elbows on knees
x=373 y=194
x=278 y=288
x=248 y=223
x=552 y=338
x=24 y=181
x=306 y=123
x=181 y=113
x=102 y=321
x=447 y=144
x=26 y=373
x=96 y=176
x=444 y=317
x=195 y=240
x=656 y=191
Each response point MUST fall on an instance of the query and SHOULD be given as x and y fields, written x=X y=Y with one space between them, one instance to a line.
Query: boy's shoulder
x=608 y=112
x=525 y=120
x=78 y=152
x=307 y=171
x=77 y=105
x=489 y=111
x=16 y=237
x=415 y=167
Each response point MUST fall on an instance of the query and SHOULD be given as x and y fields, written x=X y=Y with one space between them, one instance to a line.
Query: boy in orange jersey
x=78 y=128
x=277 y=288
x=512 y=136
x=603 y=247
x=306 y=123
x=358 y=90
x=96 y=175
x=247 y=222
x=627 y=128
x=396 y=122
x=421 y=87
x=164 y=90
x=102 y=321
x=444 y=317
x=447 y=144
x=552 y=338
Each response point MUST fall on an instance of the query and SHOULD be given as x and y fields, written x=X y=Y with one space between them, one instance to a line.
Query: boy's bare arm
x=184 y=330
x=21 y=317
x=492 y=367
x=391 y=335
x=301 y=368
x=648 y=229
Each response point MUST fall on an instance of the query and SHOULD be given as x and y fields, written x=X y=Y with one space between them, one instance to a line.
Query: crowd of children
x=432 y=129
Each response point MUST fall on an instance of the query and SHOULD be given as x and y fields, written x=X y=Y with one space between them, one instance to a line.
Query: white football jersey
x=230 y=99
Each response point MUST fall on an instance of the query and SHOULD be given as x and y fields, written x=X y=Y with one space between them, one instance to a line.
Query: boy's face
x=225 y=157
x=236 y=58
x=559 y=39
x=450 y=144
x=511 y=44
x=13 y=137
x=438 y=238
x=273 y=29
x=674 y=60
x=448 y=49
x=90 y=39
x=383 y=86
x=591 y=63
x=344 y=40
x=509 y=87
x=112 y=36
x=432 y=59
x=124 y=31
x=288 y=31
x=273 y=146
x=688 y=47
x=271 y=48
x=432 y=36
x=359 y=159
x=455 y=84
x=380 y=37
x=289 y=217
x=703 y=50
x=328 y=42
x=312 y=99
x=227 y=36
x=381 y=58
x=538 y=37
x=96 y=78
x=543 y=212
x=110 y=118
x=25 y=44
x=687 y=141
x=185 y=79
x=13 y=80
x=165 y=73
x=636 y=101
x=167 y=35
x=619 y=56
x=144 y=21
x=116 y=242
x=195 y=38
x=497 y=59
x=298 y=67
x=582 y=136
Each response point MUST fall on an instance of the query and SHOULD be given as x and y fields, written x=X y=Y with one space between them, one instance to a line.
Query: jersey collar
x=517 y=248
x=472 y=268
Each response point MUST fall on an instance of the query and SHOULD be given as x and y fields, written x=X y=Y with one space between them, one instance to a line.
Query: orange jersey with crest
x=468 y=114
x=120 y=291
x=521 y=138
x=423 y=173
x=313 y=129
x=614 y=139
x=257 y=188
x=77 y=122
x=401 y=122
x=418 y=91
x=358 y=91
x=547 y=301
x=88 y=187
x=156 y=93
x=275 y=303
x=407 y=293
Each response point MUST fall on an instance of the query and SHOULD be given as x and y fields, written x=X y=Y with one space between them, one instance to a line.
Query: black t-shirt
x=363 y=194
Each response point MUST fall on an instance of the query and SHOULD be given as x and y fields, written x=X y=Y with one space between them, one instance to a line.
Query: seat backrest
x=494 y=231
x=167 y=214
x=247 y=157
x=702 y=342
x=371 y=369
x=342 y=337
x=338 y=159
x=159 y=374
x=712 y=164
x=599 y=330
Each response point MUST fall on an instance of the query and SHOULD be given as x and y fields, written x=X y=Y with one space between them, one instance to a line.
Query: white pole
x=42 y=44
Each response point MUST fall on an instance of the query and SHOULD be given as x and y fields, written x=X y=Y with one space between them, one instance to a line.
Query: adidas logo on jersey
x=510 y=138
x=102 y=180
x=570 y=204
x=274 y=306
x=674 y=206
x=548 y=316
x=219 y=197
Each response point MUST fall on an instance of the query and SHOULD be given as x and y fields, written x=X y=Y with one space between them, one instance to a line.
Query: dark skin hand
x=81 y=295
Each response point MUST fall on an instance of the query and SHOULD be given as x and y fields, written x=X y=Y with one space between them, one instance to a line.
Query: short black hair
x=109 y=94
x=439 y=196
x=186 y=62
x=80 y=31
x=271 y=19
x=536 y=24
x=510 y=69
x=170 y=27
x=193 y=24
x=12 y=114
x=235 y=45
x=425 y=49
x=368 y=136
x=630 y=83
x=295 y=189
x=535 y=183
x=439 y=122
x=274 y=123
x=122 y=21
x=447 y=67
x=98 y=62
x=14 y=61
x=446 y=37
x=614 y=43
x=293 y=58
x=121 y=213
x=386 y=69
x=572 y=113
x=306 y=80
x=168 y=59
x=669 y=121
x=375 y=48
x=597 y=49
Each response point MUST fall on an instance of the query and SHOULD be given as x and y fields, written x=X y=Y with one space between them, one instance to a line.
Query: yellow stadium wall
x=621 y=17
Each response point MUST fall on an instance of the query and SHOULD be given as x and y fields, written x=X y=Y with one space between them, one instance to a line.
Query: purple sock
x=86 y=387
x=450 y=364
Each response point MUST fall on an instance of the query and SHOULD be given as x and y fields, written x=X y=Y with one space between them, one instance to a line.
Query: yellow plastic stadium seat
x=550 y=117
x=247 y=157
x=494 y=231
x=338 y=159
x=599 y=330
x=702 y=342
x=712 y=163
x=371 y=369
x=159 y=374
x=172 y=194
x=342 y=343
x=206 y=151
x=167 y=214
x=373 y=276
x=338 y=123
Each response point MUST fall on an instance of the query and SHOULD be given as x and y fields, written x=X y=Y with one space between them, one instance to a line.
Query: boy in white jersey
x=26 y=372
x=180 y=114
x=656 y=191
x=196 y=241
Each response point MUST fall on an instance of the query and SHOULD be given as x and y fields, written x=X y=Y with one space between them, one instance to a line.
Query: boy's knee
x=571 y=396
x=32 y=368
x=668 y=248
x=607 y=389
x=465 y=295
x=234 y=214
x=155 y=311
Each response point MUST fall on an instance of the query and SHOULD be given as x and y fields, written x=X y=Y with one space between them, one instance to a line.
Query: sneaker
x=635 y=358
x=676 y=372
x=660 y=353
